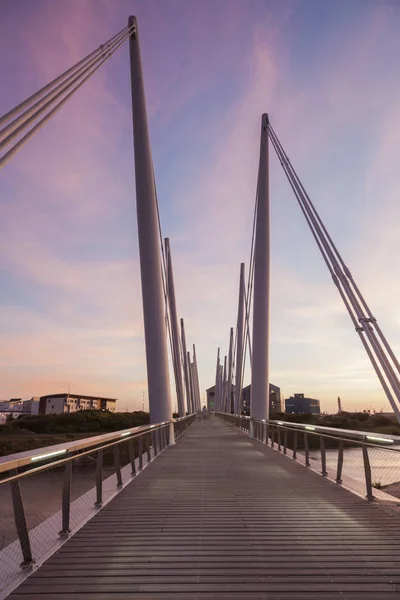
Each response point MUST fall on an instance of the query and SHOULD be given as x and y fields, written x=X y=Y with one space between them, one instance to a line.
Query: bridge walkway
x=219 y=515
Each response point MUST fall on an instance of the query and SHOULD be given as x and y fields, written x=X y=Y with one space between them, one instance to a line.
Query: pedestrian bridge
x=235 y=508
x=223 y=515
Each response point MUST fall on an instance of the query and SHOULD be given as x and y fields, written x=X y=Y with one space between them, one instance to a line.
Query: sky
x=70 y=295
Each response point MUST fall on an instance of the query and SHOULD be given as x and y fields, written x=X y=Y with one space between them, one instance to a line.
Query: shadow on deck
x=222 y=516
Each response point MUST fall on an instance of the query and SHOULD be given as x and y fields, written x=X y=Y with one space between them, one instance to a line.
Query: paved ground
x=222 y=516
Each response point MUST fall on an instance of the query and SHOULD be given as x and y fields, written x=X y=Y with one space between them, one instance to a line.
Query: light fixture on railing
x=379 y=439
x=48 y=455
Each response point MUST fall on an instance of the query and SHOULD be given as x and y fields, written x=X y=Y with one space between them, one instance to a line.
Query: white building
x=69 y=403
x=18 y=406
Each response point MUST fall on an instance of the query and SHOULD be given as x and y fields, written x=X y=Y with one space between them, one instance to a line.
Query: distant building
x=211 y=397
x=275 y=399
x=298 y=404
x=31 y=406
x=69 y=403
x=20 y=406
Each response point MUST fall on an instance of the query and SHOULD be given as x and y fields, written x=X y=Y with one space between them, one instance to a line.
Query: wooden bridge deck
x=222 y=516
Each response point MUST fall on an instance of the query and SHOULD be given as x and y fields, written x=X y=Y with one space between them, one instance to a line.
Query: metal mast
x=230 y=365
x=240 y=341
x=186 y=368
x=259 y=399
x=216 y=392
x=149 y=246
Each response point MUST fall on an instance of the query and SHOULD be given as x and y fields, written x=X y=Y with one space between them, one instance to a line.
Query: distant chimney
x=339 y=405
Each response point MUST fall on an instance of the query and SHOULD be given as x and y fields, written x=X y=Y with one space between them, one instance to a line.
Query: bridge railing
x=48 y=493
x=365 y=462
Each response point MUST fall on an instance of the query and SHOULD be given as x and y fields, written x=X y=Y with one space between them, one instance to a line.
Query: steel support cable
x=344 y=298
x=8 y=155
x=168 y=322
x=369 y=332
x=13 y=129
x=247 y=298
x=346 y=270
x=250 y=277
x=164 y=278
x=353 y=300
x=387 y=368
x=11 y=113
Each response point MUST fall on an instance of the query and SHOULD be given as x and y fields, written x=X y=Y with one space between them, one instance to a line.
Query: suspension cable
x=348 y=290
x=14 y=149
x=11 y=113
x=13 y=129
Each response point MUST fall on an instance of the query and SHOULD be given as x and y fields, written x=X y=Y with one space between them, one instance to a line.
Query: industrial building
x=211 y=397
x=275 y=399
x=69 y=403
x=298 y=404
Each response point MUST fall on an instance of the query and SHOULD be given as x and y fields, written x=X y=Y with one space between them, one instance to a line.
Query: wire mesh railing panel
x=10 y=549
x=41 y=494
x=385 y=471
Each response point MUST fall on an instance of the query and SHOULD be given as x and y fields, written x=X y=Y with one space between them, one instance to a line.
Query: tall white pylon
x=259 y=399
x=240 y=342
x=149 y=246
x=230 y=365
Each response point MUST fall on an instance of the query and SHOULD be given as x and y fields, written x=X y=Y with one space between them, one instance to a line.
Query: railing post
x=99 y=479
x=272 y=436
x=171 y=433
x=306 y=450
x=140 y=451
x=131 y=447
x=154 y=441
x=285 y=441
x=367 y=471
x=66 y=500
x=295 y=436
x=251 y=428
x=148 y=443
x=117 y=461
x=21 y=525
x=339 y=463
x=323 y=456
x=278 y=430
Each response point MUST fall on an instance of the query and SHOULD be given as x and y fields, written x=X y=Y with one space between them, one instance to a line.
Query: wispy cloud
x=71 y=296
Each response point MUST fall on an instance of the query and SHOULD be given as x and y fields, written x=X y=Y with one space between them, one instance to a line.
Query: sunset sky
x=327 y=72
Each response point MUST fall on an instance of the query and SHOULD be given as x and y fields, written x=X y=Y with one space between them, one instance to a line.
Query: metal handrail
x=63 y=461
x=266 y=430
x=21 y=459
x=140 y=440
x=348 y=434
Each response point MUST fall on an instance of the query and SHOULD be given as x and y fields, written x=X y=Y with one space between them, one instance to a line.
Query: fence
x=367 y=463
x=49 y=493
